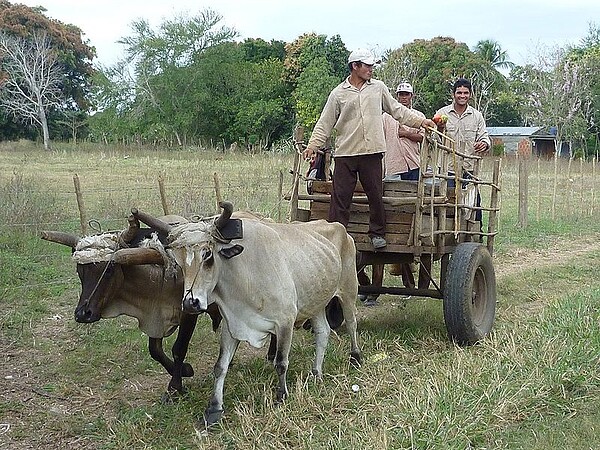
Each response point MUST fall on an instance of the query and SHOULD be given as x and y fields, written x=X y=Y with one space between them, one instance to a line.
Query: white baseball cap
x=404 y=87
x=363 y=56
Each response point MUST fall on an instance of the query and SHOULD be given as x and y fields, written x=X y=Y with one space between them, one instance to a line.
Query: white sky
x=520 y=27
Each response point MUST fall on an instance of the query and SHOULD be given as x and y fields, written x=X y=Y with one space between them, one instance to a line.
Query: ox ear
x=230 y=252
x=233 y=229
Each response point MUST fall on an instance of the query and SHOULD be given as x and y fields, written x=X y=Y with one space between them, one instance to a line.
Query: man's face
x=405 y=98
x=363 y=71
x=462 y=96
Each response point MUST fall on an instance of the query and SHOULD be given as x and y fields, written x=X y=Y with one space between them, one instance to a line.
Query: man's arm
x=410 y=135
x=482 y=138
x=323 y=128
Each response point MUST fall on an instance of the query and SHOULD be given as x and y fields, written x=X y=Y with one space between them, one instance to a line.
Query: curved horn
x=137 y=256
x=60 y=238
x=153 y=222
x=131 y=232
x=225 y=214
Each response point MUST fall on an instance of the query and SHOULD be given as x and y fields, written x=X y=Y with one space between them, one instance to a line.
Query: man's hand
x=308 y=154
x=428 y=123
x=480 y=147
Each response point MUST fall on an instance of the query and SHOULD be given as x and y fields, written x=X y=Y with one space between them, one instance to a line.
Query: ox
x=121 y=274
x=270 y=280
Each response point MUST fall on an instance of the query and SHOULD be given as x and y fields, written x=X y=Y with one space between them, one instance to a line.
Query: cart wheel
x=469 y=294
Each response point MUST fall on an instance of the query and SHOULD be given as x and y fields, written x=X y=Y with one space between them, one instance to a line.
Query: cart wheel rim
x=479 y=297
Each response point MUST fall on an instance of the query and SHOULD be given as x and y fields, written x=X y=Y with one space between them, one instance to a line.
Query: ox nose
x=85 y=315
x=191 y=305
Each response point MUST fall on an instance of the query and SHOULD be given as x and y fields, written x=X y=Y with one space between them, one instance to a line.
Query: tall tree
x=491 y=51
x=160 y=60
x=556 y=88
x=238 y=100
x=314 y=65
x=33 y=79
x=73 y=55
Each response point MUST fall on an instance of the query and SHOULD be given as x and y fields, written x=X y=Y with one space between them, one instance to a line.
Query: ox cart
x=445 y=231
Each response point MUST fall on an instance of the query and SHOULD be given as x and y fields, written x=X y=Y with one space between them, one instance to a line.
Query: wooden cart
x=429 y=220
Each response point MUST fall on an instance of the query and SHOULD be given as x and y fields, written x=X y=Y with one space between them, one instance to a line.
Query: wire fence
x=556 y=190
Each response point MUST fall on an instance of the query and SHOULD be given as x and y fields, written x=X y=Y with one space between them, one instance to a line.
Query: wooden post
x=522 y=191
x=217 y=192
x=80 y=205
x=539 y=191
x=298 y=142
x=554 y=187
x=582 y=196
x=494 y=202
x=280 y=196
x=593 y=183
x=163 y=196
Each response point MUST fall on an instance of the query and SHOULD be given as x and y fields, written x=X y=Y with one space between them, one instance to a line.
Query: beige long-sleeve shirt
x=401 y=154
x=356 y=115
x=468 y=128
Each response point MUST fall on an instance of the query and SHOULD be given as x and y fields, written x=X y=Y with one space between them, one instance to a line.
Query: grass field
x=533 y=384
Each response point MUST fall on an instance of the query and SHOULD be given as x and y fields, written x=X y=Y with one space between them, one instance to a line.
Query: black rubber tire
x=469 y=294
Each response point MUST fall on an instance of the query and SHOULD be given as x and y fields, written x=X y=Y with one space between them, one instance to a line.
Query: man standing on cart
x=354 y=109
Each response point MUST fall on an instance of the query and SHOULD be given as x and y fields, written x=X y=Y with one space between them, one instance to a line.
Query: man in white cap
x=402 y=142
x=354 y=109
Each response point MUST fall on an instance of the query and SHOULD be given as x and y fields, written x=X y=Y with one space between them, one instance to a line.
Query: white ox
x=271 y=280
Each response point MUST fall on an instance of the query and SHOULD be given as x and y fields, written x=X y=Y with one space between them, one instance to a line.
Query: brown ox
x=120 y=276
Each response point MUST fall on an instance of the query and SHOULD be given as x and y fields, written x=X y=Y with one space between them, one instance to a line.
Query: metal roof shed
x=526 y=141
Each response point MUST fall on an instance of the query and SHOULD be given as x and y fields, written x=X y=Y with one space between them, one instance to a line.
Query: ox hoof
x=172 y=396
x=212 y=417
x=187 y=370
x=355 y=359
x=317 y=374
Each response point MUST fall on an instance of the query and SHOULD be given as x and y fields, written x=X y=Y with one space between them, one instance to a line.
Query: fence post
x=522 y=191
x=298 y=147
x=280 y=191
x=555 y=184
x=163 y=196
x=80 y=205
x=217 y=192
x=539 y=190
x=593 y=183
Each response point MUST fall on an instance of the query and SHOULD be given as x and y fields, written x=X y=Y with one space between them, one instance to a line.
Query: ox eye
x=206 y=254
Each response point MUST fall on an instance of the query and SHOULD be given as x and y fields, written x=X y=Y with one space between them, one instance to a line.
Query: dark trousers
x=367 y=168
x=411 y=175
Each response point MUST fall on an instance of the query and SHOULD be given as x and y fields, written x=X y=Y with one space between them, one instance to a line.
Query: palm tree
x=491 y=51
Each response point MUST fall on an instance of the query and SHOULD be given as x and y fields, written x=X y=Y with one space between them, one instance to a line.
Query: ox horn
x=60 y=238
x=153 y=222
x=225 y=214
x=137 y=256
x=131 y=232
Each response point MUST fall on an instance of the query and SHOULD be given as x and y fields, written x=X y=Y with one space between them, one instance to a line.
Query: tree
x=491 y=51
x=239 y=100
x=314 y=65
x=556 y=89
x=33 y=79
x=72 y=55
x=432 y=66
x=160 y=78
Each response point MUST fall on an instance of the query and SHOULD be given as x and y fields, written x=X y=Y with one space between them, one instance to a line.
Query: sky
x=521 y=28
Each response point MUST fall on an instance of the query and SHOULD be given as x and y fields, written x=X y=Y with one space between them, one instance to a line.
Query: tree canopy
x=191 y=81
x=71 y=55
